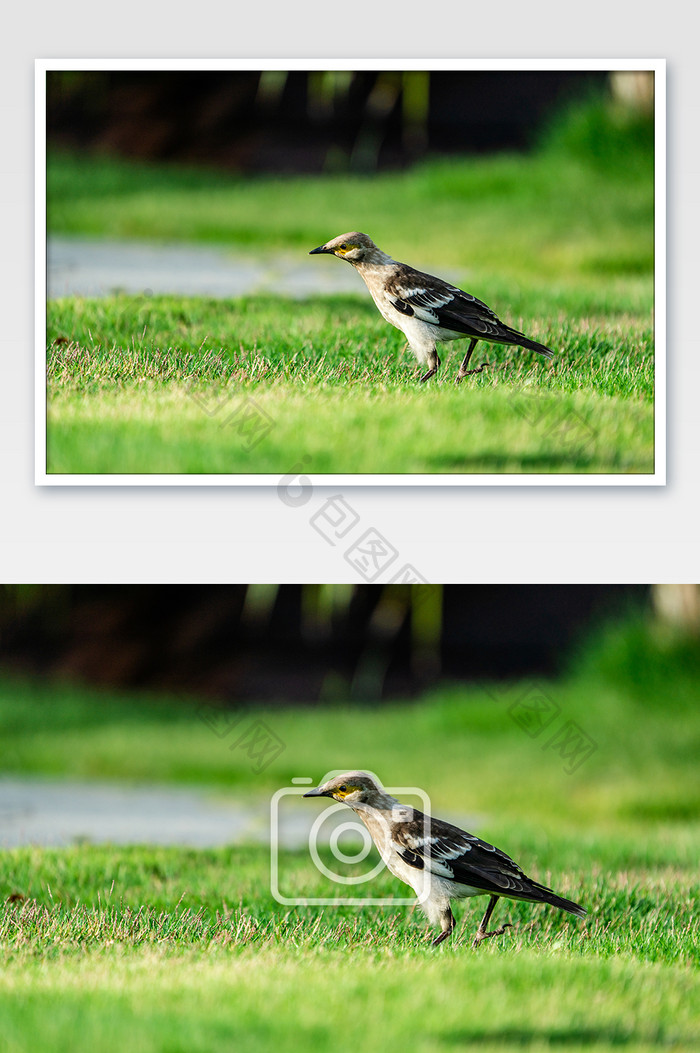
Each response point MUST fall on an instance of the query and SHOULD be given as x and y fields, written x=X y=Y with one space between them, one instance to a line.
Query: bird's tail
x=524 y=341
x=547 y=896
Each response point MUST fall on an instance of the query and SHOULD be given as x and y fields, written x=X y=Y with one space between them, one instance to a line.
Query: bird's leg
x=447 y=923
x=481 y=933
x=433 y=364
x=463 y=371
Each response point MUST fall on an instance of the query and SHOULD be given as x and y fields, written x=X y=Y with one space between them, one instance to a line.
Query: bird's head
x=354 y=247
x=353 y=788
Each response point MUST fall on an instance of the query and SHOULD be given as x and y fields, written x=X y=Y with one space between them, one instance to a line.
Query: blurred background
x=318 y=121
x=300 y=643
x=276 y=161
x=172 y=713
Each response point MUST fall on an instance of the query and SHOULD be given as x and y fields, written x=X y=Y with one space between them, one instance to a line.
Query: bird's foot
x=481 y=935
x=428 y=375
x=461 y=374
x=441 y=937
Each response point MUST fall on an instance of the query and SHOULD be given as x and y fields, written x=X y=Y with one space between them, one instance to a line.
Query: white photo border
x=655 y=478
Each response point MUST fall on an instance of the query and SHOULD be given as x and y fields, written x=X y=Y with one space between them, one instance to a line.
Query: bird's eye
x=342 y=788
x=343 y=246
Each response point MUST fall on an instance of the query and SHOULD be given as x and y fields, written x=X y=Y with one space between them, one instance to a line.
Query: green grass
x=177 y=950
x=580 y=207
x=183 y=950
x=171 y=385
x=559 y=242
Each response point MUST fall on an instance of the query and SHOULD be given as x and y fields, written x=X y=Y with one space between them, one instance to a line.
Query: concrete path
x=84 y=267
x=53 y=812
x=57 y=812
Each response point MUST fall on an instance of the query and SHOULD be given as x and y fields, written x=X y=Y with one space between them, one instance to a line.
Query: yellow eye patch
x=344 y=790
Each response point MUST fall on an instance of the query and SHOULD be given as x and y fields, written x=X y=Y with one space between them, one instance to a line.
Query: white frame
x=657 y=478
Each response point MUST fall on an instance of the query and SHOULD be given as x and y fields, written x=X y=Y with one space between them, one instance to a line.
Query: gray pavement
x=85 y=267
x=57 y=812
x=60 y=812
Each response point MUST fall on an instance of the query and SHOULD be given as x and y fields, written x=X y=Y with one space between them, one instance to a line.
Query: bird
x=426 y=309
x=439 y=861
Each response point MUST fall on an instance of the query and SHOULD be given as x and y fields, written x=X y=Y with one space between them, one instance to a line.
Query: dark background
x=277 y=121
x=299 y=642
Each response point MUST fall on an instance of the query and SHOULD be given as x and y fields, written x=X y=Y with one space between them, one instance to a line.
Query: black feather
x=454 y=309
x=470 y=861
x=412 y=859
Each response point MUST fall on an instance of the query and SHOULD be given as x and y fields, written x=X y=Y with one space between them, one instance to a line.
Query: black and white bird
x=428 y=310
x=439 y=861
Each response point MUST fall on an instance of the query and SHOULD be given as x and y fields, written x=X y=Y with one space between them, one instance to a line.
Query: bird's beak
x=319 y=791
x=321 y=248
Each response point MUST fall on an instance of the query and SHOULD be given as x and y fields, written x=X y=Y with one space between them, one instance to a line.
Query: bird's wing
x=437 y=302
x=448 y=852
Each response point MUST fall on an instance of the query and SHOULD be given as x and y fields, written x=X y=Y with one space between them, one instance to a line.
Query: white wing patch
x=424 y=304
x=424 y=297
x=438 y=853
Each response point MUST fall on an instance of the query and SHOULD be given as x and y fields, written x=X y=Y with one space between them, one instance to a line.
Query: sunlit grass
x=178 y=385
x=165 y=948
x=157 y=948
x=559 y=242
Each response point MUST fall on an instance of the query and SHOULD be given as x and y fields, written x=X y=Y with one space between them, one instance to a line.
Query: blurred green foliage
x=655 y=664
x=460 y=741
x=603 y=134
x=560 y=213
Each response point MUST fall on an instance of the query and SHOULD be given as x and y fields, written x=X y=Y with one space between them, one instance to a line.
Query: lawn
x=559 y=242
x=176 y=950
x=179 y=949
x=171 y=385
